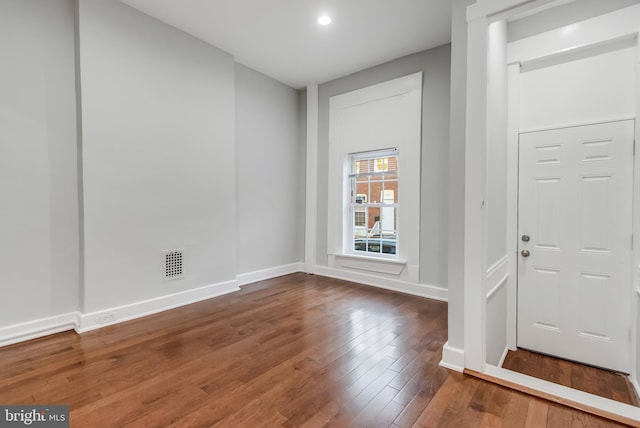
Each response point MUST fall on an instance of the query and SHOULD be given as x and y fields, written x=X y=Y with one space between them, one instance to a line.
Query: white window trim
x=369 y=263
x=408 y=91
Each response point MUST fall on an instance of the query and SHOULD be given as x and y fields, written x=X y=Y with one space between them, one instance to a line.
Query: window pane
x=381 y=164
x=388 y=224
x=388 y=196
x=389 y=246
x=375 y=245
x=393 y=164
x=393 y=187
x=373 y=222
x=392 y=175
x=374 y=181
x=362 y=191
x=376 y=189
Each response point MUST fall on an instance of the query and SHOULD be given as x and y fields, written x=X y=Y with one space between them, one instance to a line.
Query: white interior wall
x=38 y=164
x=495 y=258
x=158 y=156
x=455 y=257
x=496 y=198
x=497 y=325
x=586 y=90
x=268 y=159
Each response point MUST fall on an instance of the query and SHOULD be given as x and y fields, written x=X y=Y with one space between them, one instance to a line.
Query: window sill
x=369 y=263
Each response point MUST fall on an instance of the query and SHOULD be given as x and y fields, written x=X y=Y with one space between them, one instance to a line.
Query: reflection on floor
x=593 y=380
x=296 y=351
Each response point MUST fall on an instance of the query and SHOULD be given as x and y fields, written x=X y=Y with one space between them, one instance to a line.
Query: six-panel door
x=575 y=204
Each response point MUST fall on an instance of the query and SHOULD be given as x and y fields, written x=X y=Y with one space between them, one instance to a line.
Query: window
x=373 y=180
x=377 y=127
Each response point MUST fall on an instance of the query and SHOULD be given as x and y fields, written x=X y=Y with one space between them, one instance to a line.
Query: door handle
x=525 y=253
x=525 y=238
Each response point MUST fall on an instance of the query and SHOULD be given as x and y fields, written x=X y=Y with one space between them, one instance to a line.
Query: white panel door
x=574 y=271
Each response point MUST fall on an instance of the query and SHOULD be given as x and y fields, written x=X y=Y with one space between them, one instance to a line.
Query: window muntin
x=373 y=181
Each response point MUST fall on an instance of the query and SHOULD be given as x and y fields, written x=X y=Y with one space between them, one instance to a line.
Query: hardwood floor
x=295 y=351
x=604 y=383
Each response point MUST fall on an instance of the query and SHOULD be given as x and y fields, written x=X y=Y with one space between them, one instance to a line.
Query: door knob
x=525 y=253
x=525 y=238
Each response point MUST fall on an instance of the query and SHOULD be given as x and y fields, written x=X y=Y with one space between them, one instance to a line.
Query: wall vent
x=173 y=264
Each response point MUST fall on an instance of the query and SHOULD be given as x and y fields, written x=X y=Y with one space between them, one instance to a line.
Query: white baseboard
x=261 y=275
x=429 y=291
x=452 y=358
x=83 y=322
x=94 y=320
x=38 y=328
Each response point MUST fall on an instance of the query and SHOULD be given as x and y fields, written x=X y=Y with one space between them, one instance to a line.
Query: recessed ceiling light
x=324 y=20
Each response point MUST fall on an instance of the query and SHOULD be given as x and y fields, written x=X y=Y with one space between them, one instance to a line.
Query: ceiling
x=282 y=39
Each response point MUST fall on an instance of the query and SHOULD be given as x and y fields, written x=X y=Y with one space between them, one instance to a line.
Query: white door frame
x=479 y=17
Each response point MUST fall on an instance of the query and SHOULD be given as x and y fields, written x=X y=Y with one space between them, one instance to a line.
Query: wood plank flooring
x=604 y=383
x=295 y=351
